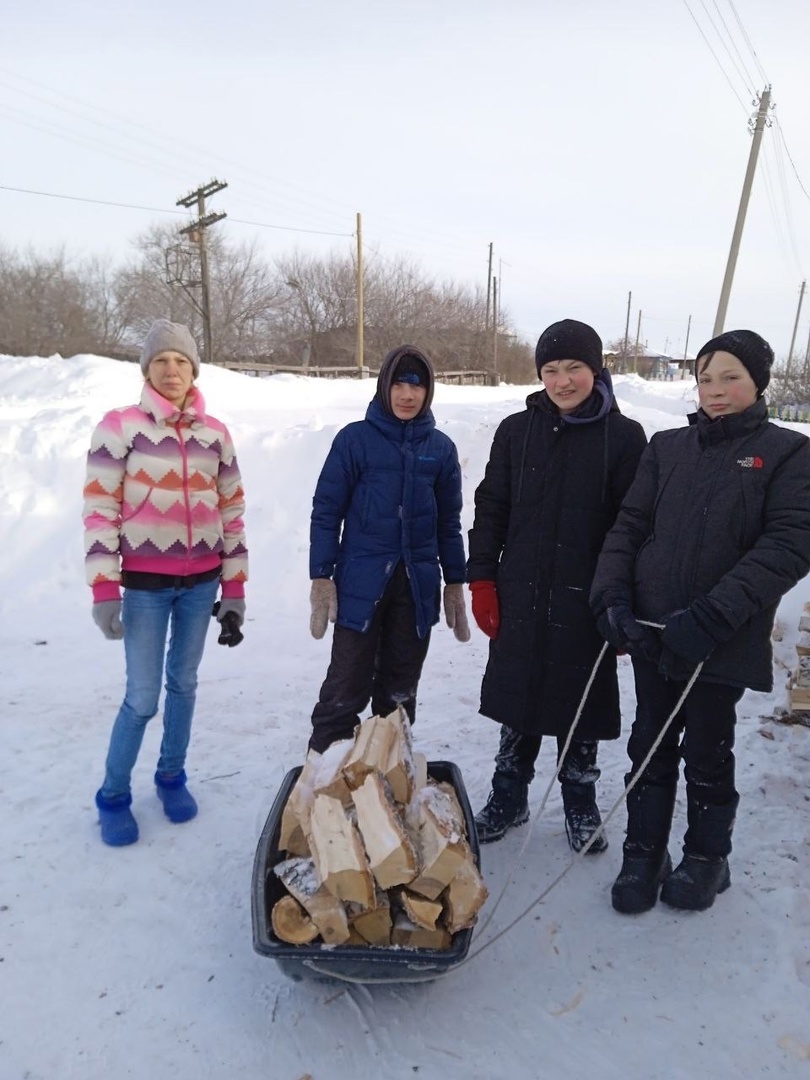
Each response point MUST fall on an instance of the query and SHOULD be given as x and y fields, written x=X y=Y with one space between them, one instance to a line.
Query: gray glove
x=107 y=616
x=455 y=613
x=323 y=605
x=234 y=607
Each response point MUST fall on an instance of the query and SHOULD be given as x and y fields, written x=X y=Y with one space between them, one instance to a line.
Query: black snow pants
x=702 y=734
x=382 y=665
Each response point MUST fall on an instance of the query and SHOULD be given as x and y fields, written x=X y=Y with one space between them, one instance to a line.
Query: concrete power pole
x=686 y=347
x=196 y=233
x=795 y=328
x=626 y=332
x=725 y=292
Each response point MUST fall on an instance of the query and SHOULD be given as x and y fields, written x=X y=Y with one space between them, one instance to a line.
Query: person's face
x=725 y=386
x=568 y=383
x=171 y=374
x=407 y=400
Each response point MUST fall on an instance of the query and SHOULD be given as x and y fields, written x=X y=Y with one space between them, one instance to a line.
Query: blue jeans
x=146 y=614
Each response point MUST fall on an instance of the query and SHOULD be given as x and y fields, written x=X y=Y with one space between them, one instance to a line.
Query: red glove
x=485 y=607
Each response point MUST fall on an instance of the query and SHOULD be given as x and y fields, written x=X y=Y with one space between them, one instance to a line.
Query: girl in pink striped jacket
x=163 y=518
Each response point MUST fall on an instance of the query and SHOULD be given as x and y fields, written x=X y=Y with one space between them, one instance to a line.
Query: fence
x=259 y=370
x=798 y=413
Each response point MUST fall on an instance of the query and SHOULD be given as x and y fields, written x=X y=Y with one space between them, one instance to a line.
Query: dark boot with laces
x=582 y=817
x=578 y=775
x=507 y=807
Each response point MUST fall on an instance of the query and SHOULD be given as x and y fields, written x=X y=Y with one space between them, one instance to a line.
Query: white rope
x=572 y=862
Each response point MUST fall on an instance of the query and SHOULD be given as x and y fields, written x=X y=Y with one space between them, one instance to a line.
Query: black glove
x=621 y=629
x=684 y=636
x=229 y=634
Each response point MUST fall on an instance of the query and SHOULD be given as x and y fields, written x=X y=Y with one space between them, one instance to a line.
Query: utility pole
x=360 y=313
x=196 y=233
x=495 y=328
x=795 y=328
x=807 y=358
x=626 y=332
x=635 y=351
x=686 y=347
x=725 y=292
x=489 y=288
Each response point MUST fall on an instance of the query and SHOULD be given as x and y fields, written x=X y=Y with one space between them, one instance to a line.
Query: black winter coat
x=550 y=494
x=719 y=510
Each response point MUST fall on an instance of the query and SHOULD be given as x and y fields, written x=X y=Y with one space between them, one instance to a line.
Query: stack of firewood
x=376 y=850
x=800 y=678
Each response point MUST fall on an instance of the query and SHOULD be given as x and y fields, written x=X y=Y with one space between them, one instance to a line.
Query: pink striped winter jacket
x=163 y=496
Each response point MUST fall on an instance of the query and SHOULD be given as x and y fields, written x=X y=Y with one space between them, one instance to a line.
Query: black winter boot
x=693 y=885
x=507 y=806
x=636 y=888
x=646 y=859
x=582 y=817
x=703 y=871
x=578 y=776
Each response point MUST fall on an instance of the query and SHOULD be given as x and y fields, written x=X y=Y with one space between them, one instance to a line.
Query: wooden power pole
x=360 y=313
x=489 y=288
x=196 y=233
x=725 y=292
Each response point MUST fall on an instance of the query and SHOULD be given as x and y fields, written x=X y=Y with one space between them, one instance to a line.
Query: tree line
x=299 y=310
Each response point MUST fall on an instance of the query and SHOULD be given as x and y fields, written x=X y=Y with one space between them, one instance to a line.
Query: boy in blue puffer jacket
x=385 y=528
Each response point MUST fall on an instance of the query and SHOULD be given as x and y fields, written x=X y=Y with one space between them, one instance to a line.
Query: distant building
x=651 y=364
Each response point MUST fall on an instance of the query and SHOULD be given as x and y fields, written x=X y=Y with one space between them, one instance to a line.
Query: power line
x=747 y=40
x=749 y=82
x=160 y=210
x=716 y=57
x=790 y=159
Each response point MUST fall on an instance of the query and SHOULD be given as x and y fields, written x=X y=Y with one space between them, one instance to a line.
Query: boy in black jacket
x=713 y=532
x=555 y=479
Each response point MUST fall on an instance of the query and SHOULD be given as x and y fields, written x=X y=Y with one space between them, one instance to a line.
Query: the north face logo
x=750 y=462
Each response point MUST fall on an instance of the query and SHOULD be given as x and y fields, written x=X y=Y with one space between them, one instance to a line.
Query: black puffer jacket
x=550 y=493
x=719 y=510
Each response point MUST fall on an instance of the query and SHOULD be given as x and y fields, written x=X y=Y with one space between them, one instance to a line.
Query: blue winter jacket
x=389 y=489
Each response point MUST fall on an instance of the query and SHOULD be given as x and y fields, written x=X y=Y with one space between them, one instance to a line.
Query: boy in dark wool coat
x=385 y=527
x=714 y=531
x=556 y=476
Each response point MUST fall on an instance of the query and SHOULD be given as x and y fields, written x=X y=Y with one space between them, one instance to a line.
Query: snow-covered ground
x=138 y=962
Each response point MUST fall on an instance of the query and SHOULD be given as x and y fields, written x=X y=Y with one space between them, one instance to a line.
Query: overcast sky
x=599 y=145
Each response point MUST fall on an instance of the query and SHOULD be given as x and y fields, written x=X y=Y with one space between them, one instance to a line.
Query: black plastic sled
x=350 y=962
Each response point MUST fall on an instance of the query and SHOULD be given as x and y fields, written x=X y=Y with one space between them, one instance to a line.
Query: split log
x=295 y=815
x=338 y=852
x=439 y=831
x=300 y=878
x=374 y=926
x=291 y=922
x=383 y=744
x=420 y=911
x=464 y=897
x=329 y=779
x=391 y=854
x=410 y=936
x=420 y=771
x=321 y=774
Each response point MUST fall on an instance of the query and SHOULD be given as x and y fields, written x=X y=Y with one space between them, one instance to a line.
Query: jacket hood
x=386 y=377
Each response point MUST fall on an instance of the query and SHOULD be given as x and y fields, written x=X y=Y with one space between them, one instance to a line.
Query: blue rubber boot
x=118 y=826
x=178 y=802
